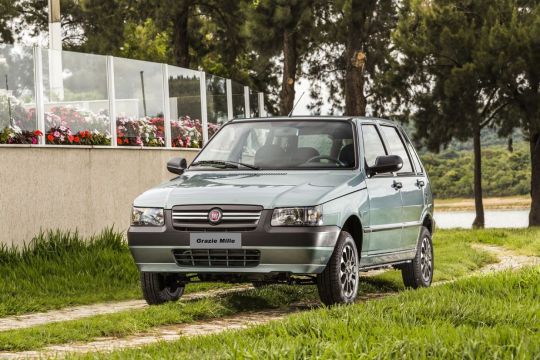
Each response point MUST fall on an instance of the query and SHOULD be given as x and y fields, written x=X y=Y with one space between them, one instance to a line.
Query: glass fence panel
x=139 y=103
x=17 y=98
x=216 y=95
x=185 y=107
x=76 y=100
x=238 y=100
x=254 y=103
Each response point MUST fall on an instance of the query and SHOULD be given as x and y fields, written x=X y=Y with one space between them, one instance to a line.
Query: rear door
x=412 y=182
x=384 y=226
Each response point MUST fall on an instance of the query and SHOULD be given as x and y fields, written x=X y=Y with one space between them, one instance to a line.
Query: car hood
x=269 y=189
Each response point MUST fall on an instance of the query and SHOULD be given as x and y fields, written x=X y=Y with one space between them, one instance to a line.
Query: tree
x=352 y=51
x=447 y=74
x=282 y=27
x=514 y=47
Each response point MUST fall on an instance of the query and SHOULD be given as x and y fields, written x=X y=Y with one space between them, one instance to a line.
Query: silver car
x=288 y=200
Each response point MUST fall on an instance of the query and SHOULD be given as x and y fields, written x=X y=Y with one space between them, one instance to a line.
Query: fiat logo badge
x=215 y=215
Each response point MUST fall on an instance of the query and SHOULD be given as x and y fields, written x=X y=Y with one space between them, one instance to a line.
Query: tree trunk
x=534 y=215
x=479 y=221
x=355 y=100
x=180 y=35
x=290 y=58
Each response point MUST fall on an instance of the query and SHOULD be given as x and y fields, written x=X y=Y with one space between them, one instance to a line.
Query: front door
x=384 y=228
x=412 y=182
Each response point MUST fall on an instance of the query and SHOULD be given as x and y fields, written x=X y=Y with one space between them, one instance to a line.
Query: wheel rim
x=426 y=259
x=348 y=273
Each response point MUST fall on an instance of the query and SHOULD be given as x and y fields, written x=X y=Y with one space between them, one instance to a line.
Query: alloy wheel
x=426 y=259
x=348 y=273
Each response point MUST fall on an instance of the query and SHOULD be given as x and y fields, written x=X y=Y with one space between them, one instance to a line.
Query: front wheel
x=419 y=273
x=338 y=283
x=160 y=288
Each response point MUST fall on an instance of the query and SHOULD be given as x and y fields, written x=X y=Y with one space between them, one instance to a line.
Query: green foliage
x=145 y=41
x=504 y=173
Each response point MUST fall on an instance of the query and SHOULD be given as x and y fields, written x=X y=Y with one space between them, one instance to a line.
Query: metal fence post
x=262 y=110
x=246 y=101
x=204 y=107
x=166 y=106
x=230 y=113
x=38 y=88
x=112 y=98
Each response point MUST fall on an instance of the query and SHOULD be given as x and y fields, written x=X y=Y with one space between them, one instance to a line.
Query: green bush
x=504 y=173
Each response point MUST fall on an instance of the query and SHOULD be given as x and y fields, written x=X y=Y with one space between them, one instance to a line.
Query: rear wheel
x=338 y=283
x=159 y=288
x=419 y=273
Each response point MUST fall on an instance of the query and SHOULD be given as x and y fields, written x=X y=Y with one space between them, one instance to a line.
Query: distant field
x=493 y=203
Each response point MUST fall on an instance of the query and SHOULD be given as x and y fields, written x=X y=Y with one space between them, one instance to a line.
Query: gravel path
x=79 y=312
x=508 y=260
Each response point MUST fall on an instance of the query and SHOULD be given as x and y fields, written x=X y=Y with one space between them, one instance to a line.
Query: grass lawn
x=454 y=259
x=524 y=241
x=486 y=317
x=61 y=269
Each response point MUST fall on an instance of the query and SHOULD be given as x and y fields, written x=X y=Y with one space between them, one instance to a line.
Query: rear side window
x=396 y=147
x=373 y=145
x=415 y=160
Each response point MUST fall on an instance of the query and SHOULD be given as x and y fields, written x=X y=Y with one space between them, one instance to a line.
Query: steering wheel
x=324 y=157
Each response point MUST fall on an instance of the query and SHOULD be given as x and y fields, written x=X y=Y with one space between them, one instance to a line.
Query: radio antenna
x=297 y=101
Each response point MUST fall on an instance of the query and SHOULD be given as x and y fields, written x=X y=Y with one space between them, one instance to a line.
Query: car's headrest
x=346 y=155
x=269 y=156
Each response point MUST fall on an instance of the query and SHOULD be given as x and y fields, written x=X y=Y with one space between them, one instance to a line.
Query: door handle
x=397 y=185
x=420 y=183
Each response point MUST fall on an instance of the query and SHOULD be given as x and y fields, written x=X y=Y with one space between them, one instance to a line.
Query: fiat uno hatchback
x=288 y=200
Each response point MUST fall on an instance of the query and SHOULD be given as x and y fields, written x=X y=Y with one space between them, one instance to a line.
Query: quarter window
x=373 y=145
x=396 y=147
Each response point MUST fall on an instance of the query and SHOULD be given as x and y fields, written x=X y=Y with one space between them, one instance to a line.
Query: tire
x=159 y=288
x=338 y=283
x=419 y=273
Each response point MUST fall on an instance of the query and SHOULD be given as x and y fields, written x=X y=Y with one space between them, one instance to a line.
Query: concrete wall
x=72 y=188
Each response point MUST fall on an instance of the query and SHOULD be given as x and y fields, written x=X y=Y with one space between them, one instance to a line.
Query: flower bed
x=70 y=125
x=140 y=132
x=14 y=135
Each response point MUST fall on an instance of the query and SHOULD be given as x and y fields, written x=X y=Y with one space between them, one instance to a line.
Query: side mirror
x=177 y=165
x=386 y=164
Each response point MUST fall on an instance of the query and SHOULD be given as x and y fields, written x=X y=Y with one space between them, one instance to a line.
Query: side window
x=396 y=147
x=415 y=160
x=373 y=145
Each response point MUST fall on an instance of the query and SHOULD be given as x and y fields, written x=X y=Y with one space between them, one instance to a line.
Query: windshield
x=281 y=145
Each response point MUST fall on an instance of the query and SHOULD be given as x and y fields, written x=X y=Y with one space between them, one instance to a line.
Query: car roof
x=361 y=119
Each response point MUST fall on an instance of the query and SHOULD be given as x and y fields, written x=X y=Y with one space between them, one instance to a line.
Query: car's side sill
x=379 y=266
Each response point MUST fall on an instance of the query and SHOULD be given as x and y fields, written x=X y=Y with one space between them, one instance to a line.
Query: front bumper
x=293 y=250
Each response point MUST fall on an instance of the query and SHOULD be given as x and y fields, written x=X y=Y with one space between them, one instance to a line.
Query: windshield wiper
x=225 y=163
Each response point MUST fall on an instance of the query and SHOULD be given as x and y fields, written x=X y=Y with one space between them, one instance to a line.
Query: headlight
x=147 y=217
x=299 y=216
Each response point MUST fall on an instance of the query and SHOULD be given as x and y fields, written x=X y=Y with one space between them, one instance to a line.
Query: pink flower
x=56 y=134
x=34 y=140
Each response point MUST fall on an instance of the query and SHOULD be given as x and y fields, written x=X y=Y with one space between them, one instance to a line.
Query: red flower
x=50 y=137
x=38 y=133
x=70 y=138
x=76 y=139
x=126 y=141
x=119 y=141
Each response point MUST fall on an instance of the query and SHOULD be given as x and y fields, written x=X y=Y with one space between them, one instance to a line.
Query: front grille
x=217 y=258
x=235 y=218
